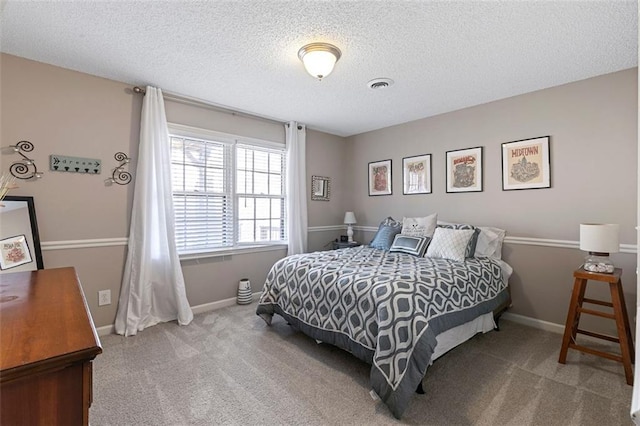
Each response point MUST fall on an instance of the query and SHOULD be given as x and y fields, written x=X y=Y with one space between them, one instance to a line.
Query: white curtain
x=153 y=288
x=296 y=135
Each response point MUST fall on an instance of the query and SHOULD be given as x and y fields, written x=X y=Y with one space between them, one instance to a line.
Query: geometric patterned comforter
x=385 y=308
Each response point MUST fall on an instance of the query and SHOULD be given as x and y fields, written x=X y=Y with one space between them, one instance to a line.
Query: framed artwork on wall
x=320 y=188
x=526 y=164
x=380 y=178
x=464 y=170
x=416 y=174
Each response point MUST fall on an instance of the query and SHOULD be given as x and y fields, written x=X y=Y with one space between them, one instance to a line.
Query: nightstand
x=340 y=245
x=624 y=337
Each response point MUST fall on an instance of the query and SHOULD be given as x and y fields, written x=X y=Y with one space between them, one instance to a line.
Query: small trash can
x=244 y=292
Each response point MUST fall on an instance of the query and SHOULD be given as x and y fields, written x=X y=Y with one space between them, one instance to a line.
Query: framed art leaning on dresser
x=19 y=237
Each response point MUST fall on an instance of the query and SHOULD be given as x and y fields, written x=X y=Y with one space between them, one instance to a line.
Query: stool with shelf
x=619 y=314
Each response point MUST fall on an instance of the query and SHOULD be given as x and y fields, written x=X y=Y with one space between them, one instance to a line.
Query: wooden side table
x=619 y=314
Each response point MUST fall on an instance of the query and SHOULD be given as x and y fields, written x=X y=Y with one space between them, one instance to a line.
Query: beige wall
x=70 y=113
x=593 y=129
x=325 y=157
x=592 y=124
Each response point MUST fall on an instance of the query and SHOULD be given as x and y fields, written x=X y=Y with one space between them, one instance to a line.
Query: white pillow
x=449 y=243
x=490 y=242
x=419 y=226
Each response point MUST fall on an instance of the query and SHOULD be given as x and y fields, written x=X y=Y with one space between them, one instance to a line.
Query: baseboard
x=533 y=322
x=198 y=309
x=105 y=330
x=218 y=304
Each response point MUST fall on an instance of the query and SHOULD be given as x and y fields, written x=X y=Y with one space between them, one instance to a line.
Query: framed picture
x=14 y=251
x=19 y=239
x=464 y=170
x=320 y=188
x=380 y=178
x=416 y=174
x=526 y=164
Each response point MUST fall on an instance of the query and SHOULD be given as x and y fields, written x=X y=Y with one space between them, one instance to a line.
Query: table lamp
x=350 y=219
x=599 y=239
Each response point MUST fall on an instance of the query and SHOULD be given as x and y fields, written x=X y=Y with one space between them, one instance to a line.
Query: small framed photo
x=380 y=178
x=464 y=170
x=416 y=174
x=526 y=164
x=14 y=251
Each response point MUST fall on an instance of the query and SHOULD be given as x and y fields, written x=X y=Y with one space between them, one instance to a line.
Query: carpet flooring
x=229 y=367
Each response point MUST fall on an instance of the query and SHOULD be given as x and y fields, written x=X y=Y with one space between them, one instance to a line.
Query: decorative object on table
x=464 y=170
x=26 y=168
x=120 y=175
x=344 y=238
x=526 y=164
x=7 y=183
x=599 y=239
x=380 y=178
x=350 y=219
x=14 y=251
x=416 y=174
x=64 y=163
x=18 y=218
x=244 y=292
x=320 y=188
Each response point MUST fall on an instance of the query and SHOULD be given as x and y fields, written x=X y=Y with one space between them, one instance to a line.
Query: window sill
x=258 y=248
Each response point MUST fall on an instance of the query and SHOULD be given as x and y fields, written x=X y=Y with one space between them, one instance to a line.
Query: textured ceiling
x=443 y=56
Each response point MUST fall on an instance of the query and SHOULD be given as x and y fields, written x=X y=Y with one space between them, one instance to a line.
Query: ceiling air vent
x=379 y=83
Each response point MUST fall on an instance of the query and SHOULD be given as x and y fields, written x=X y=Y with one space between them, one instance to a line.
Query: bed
x=393 y=310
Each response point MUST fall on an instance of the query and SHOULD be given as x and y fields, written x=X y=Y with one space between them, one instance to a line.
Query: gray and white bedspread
x=385 y=308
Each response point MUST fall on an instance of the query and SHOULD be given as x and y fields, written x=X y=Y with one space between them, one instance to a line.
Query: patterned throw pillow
x=419 y=226
x=471 y=248
x=387 y=231
x=410 y=245
x=450 y=243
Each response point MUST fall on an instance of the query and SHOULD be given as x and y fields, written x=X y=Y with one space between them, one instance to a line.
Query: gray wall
x=593 y=129
x=70 y=113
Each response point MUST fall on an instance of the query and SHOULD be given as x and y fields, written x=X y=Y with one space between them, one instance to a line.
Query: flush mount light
x=319 y=58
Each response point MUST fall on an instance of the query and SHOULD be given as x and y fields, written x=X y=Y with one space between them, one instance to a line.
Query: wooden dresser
x=47 y=343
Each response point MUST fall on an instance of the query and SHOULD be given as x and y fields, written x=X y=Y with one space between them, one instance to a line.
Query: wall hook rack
x=25 y=168
x=120 y=175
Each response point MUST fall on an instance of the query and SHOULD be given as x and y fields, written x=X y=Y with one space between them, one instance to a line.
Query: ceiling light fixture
x=319 y=58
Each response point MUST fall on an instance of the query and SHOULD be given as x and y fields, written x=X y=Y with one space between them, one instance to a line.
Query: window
x=226 y=193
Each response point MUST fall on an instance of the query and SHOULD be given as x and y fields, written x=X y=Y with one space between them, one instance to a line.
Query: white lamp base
x=350 y=233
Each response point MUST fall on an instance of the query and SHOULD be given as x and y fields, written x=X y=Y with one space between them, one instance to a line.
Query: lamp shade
x=599 y=237
x=350 y=218
x=319 y=58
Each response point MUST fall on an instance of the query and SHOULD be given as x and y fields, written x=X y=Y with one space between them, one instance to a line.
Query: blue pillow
x=471 y=247
x=416 y=246
x=387 y=231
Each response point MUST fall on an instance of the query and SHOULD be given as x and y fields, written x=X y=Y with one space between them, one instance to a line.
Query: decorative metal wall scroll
x=25 y=168
x=64 y=163
x=120 y=175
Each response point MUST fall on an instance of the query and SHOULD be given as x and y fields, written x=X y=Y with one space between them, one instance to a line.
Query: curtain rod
x=188 y=100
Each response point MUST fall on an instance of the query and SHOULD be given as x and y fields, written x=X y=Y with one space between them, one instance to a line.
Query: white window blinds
x=226 y=194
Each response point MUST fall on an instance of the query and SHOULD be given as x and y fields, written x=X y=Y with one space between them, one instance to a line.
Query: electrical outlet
x=104 y=297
